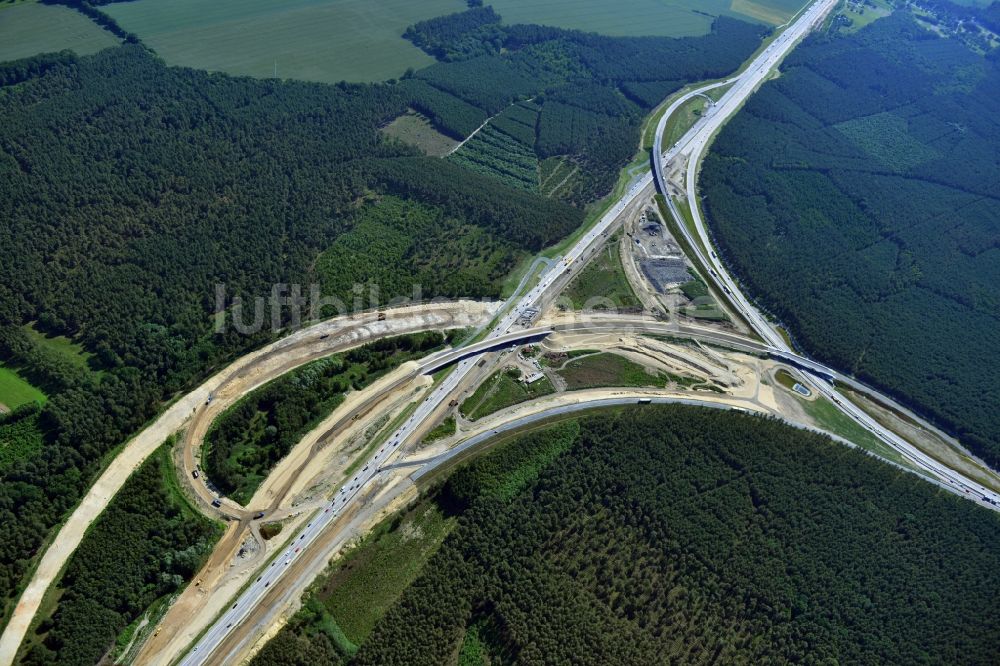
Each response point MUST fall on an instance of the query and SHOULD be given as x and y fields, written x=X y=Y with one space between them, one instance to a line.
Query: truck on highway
x=645 y=401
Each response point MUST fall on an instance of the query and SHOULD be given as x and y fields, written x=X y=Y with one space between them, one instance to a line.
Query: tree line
x=856 y=198
x=593 y=90
x=679 y=535
x=197 y=179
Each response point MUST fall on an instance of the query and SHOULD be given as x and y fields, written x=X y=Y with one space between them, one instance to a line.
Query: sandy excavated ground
x=746 y=379
x=314 y=468
x=316 y=342
x=298 y=484
x=391 y=494
x=242 y=375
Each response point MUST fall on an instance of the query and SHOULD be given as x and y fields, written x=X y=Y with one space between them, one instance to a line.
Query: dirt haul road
x=222 y=578
x=318 y=460
x=316 y=342
x=232 y=382
x=183 y=627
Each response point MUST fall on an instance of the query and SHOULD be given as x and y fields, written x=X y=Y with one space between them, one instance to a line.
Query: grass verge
x=828 y=417
x=501 y=390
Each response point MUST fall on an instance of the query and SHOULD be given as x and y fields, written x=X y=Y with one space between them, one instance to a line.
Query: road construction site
x=337 y=482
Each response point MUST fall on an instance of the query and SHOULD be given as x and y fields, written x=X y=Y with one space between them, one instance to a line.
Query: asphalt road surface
x=691 y=145
x=690 y=148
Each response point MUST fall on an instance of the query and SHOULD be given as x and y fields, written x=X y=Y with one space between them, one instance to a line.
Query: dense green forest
x=856 y=196
x=591 y=92
x=421 y=245
x=679 y=535
x=129 y=190
x=250 y=437
x=197 y=179
x=345 y=604
x=147 y=544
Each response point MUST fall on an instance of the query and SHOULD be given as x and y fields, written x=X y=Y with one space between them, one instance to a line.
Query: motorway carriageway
x=350 y=490
x=251 y=596
x=823 y=379
x=743 y=86
x=691 y=147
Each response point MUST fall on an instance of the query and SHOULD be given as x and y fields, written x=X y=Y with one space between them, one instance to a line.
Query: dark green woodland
x=685 y=535
x=858 y=197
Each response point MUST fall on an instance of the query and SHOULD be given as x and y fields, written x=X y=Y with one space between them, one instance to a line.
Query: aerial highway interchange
x=689 y=148
x=221 y=642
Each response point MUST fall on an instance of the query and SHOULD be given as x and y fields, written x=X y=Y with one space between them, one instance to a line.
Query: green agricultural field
x=27 y=29
x=313 y=40
x=670 y=18
x=16 y=391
